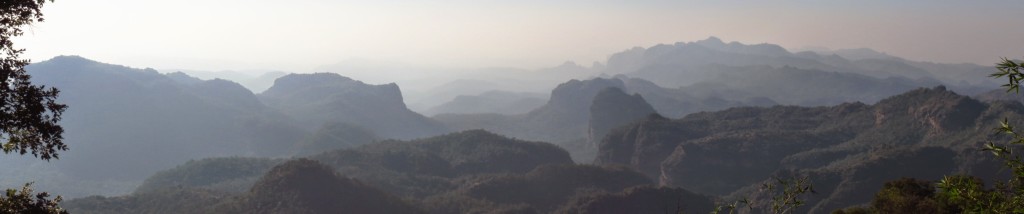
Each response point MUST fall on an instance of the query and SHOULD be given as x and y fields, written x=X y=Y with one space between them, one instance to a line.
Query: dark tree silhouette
x=28 y=113
x=15 y=201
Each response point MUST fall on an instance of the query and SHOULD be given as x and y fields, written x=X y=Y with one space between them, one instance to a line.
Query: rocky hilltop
x=851 y=149
x=324 y=98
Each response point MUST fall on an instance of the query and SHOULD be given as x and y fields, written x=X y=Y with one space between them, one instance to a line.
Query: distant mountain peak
x=569 y=63
x=577 y=94
x=314 y=78
x=70 y=59
x=182 y=77
x=860 y=54
x=711 y=40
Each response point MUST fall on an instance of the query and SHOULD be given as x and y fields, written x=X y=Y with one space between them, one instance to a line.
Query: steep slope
x=613 y=108
x=565 y=119
x=124 y=124
x=322 y=98
x=850 y=149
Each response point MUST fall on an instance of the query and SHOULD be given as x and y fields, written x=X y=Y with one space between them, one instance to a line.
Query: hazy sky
x=299 y=35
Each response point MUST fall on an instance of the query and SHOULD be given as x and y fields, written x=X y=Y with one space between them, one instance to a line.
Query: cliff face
x=567 y=110
x=310 y=87
x=563 y=120
x=722 y=152
x=323 y=98
x=613 y=108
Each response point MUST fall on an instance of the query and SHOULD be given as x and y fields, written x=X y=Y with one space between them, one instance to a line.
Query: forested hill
x=126 y=123
x=464 y=172
x=849 y=150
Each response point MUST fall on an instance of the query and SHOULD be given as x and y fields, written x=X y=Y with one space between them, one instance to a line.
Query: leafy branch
x=786 y=196
x=969 y=194
x=1011 y=70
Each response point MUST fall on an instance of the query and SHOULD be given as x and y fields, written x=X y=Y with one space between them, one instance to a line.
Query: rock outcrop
x=723 y=152
x=323 y=98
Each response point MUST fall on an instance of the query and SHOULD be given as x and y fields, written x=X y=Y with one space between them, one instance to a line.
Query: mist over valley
x=634 y=116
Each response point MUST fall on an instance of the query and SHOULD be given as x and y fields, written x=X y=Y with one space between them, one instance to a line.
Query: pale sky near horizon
x=300 y=35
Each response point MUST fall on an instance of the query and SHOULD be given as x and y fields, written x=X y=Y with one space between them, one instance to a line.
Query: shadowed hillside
x=128 y=123
x=464 y=172
x=849 y=149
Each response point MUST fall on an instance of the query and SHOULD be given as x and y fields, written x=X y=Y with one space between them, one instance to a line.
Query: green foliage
x=786 y=195
x=1011 y=70
x=968 y=194
x=960 y=193
x=732 y=207
x=906 y=195
x=951 y=194
x=789 y=193
x=23 y=201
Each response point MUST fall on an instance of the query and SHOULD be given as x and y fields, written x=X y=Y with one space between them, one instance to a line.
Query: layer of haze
x=301 y=35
